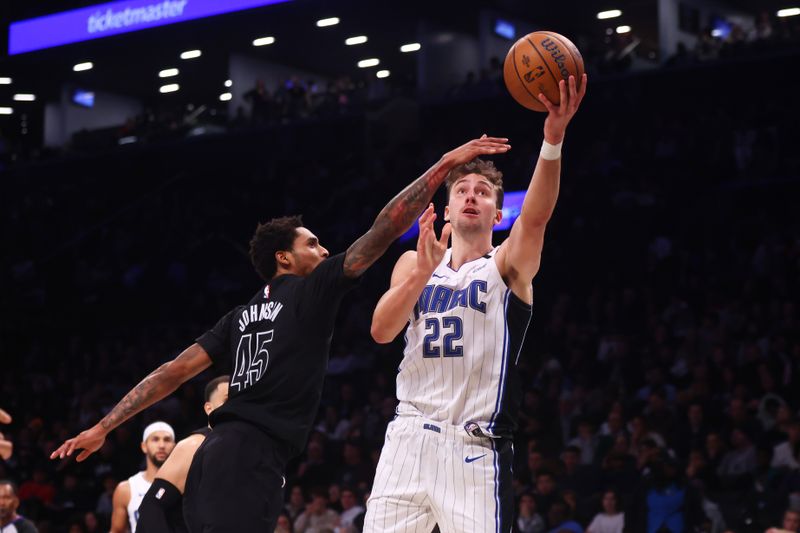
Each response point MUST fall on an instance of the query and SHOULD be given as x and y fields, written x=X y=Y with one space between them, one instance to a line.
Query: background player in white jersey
x=161 y=510
x=447 y=456
x=158 y=441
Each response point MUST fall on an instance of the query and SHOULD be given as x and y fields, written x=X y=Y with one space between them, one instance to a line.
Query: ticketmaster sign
x=115 y=17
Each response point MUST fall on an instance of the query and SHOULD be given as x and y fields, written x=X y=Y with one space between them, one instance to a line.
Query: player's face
x=307 y=253
x=8 y=503
x=158 y=446
x=472 y=206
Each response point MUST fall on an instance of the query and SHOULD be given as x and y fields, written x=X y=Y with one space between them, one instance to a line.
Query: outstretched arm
x=398 y=215
x=519 y=256
x=411 y=272
x=158 y=385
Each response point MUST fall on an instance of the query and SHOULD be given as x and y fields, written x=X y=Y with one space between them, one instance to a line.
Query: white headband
x=157 y=426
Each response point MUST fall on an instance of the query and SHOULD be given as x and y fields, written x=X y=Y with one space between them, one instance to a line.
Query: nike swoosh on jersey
x=472 y=459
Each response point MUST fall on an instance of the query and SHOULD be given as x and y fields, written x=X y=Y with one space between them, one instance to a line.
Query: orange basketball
x=536 y=63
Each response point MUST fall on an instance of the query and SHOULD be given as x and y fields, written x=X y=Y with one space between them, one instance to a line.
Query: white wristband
x=550 y=152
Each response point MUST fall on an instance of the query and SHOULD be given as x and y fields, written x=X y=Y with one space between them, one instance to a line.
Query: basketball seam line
x=547 y=67
x=522 y=81
x=578 y=74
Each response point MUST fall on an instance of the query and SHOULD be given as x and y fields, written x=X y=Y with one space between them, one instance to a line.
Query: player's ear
x=447 y=213
x=143 y=446
x=498 y=216
x=207 y=407
x=283 y=258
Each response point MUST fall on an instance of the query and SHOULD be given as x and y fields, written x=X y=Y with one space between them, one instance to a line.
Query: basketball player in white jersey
x=158 y=441
x=447 y=455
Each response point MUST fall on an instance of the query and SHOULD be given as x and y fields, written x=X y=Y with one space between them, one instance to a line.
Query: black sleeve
x=216 y=341
x=160 y=501
x=325 y=286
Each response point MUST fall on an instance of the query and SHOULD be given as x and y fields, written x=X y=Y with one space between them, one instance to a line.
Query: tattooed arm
x=157 y=385
x=398 y=215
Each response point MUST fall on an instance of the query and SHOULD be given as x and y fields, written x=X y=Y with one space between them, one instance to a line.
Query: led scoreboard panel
x=114 y=18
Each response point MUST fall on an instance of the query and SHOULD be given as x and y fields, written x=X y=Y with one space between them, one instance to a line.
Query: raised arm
x=519 y=256
x=398 y=215
x=157 y=385
x=411 y=272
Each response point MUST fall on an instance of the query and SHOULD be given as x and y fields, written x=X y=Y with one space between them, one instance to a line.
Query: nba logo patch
x=160 y=493
x=266 y=292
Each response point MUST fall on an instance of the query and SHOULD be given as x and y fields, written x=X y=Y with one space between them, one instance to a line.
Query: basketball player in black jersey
x=161 y=510
x=278 y=345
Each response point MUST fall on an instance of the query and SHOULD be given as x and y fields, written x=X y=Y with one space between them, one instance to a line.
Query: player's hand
x=6 y=448
x=5 y=418
x=475 y=148
x=430 y=250
x=89 y=441
x=558 y=116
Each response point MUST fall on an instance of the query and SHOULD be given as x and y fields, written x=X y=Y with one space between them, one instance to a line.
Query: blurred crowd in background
x=661 y=372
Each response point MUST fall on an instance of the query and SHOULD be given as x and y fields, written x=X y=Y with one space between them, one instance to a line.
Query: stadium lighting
x=168 y=73
x=382 y=74
x=332 y=21
x=789 y=12
x=366 y=63
x=410 y=47
x=610 y=14
x=228 y=83
x=359 y=39
x=169 y=88
x=263 y=41
x=224 y=97
x=191 y=54
x=86 y=65
x=6 y=110
x=24 y=97
x=623 y=29
x=5 y=81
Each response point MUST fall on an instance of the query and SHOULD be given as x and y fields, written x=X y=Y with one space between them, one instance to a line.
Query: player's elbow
x=380 y=333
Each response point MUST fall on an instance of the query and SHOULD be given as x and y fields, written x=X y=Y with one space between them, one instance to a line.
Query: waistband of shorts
x=442 y=429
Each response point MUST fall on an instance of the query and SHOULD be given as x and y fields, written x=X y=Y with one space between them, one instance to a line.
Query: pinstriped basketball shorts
x=433 y=473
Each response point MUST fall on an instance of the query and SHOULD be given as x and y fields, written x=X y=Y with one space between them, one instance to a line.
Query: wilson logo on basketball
x=551 y=46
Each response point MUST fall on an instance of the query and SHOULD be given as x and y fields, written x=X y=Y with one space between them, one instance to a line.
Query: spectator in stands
x=559 y=519
x=528 y=520
x=787 y=453
x=611 y=519
x=296 y=504
x=317 y=517
x=350 y=510
x=790 y=524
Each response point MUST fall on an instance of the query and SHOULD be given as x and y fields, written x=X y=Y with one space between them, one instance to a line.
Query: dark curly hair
x=270 y=237
x=483 y=168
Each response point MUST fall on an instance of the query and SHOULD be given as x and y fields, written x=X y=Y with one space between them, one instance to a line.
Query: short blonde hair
x=482 y=168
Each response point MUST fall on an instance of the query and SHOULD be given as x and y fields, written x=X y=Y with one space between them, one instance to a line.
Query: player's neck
x=469 y=248
x=150 y=473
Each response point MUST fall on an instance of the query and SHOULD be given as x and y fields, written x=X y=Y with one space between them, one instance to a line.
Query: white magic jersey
x=139 y=487
x=462 y=346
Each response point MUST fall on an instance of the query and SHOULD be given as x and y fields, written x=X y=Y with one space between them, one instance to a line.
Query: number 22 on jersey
x=450 y=329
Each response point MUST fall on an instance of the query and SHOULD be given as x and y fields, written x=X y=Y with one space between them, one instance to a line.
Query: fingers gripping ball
x=536 y=63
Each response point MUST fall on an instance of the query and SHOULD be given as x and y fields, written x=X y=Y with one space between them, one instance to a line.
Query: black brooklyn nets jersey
x=277 y=346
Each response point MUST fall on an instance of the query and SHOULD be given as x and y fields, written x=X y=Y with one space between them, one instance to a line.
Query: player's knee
x=161 y=496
